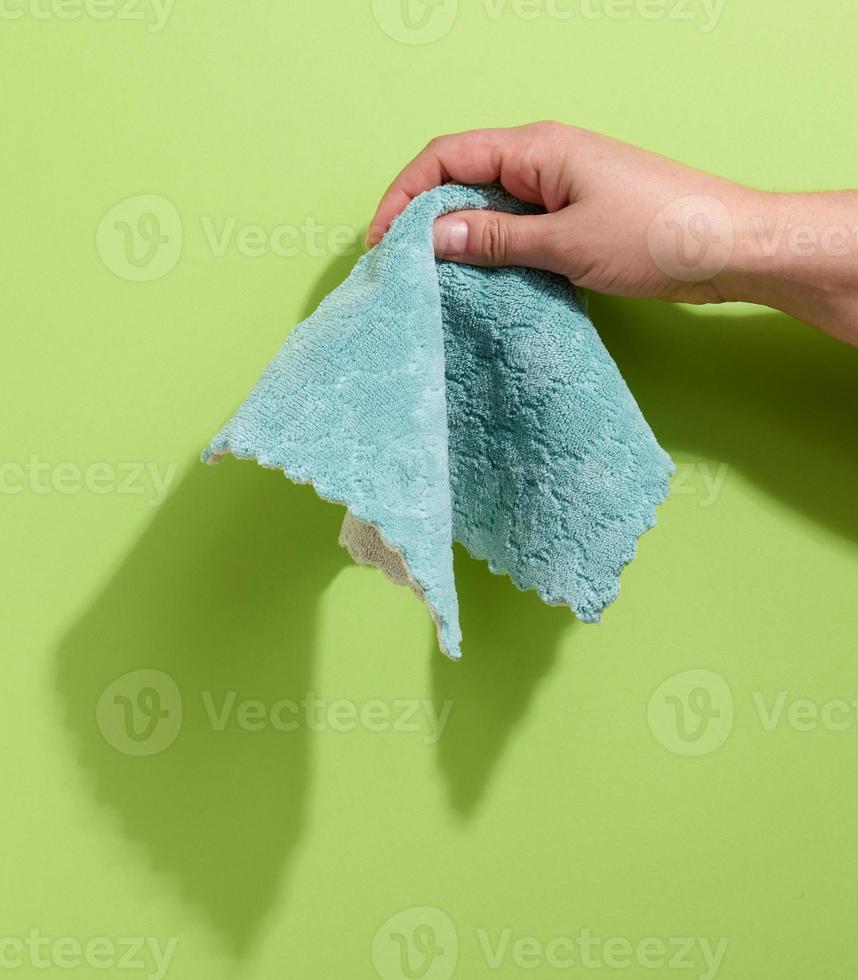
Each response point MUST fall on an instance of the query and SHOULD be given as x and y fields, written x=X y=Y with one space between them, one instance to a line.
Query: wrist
x=797 y=253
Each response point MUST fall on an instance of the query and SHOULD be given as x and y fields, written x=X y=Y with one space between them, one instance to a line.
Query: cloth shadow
x=761 y=393
x=764 y=394
x=511 y=643
x=218 y=597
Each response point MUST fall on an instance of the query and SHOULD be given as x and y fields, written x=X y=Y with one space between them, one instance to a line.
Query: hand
x=628 y=222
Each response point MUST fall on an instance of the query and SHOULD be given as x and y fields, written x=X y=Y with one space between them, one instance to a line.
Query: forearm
x=798 y=253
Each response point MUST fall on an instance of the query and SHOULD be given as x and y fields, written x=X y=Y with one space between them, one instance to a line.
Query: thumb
x=494 y=238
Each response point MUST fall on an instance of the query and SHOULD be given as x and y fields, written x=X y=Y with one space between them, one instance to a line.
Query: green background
x=559 y=796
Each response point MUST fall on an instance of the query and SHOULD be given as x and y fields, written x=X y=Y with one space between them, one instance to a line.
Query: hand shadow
x=762 y=393
x=219 y=595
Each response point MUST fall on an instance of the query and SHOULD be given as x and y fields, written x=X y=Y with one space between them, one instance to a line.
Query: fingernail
x=450 y=237
x=373 y=236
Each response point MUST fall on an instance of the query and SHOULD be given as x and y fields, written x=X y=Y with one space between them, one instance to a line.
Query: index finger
x=475 y=157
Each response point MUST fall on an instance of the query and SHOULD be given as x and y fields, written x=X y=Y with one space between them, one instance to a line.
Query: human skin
x=625 y=221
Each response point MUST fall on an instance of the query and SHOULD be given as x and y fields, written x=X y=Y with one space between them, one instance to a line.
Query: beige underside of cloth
x=367 y=547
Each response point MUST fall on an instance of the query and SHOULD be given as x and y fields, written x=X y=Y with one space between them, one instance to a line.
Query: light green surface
x=560 y=796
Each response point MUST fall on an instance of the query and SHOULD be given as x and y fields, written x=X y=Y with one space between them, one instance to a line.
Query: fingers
x=477 y=157
x=492 y=238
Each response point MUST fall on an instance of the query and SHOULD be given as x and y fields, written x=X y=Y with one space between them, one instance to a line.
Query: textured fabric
x=365 y=545
x=441 y=402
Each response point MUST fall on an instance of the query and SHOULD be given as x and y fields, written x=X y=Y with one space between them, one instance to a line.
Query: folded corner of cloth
x=441 y=402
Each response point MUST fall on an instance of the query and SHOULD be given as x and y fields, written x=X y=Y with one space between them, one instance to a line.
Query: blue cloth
x=442 y=402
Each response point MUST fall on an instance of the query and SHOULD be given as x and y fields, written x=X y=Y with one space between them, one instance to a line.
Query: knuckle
x=531 y=161
x=550 y=129
x=494 y=240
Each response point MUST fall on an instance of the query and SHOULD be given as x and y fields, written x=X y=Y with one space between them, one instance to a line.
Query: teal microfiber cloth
x=441 y=402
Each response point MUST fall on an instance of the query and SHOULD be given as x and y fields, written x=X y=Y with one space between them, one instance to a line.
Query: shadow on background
x=219 y=594
x=762 y=393
x=510 y=645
